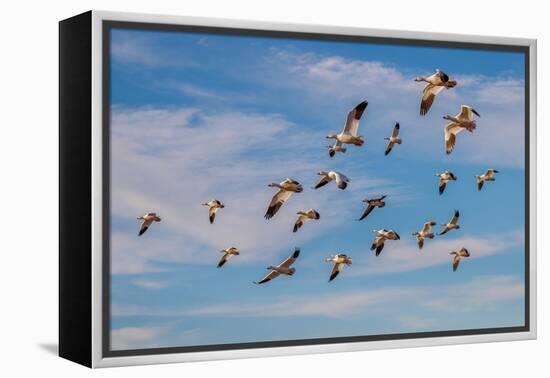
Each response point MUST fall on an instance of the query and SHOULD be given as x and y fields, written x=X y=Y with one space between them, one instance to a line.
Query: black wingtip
x=296 y=253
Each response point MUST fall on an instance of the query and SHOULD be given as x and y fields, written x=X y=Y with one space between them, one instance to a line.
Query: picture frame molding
x=99 y=356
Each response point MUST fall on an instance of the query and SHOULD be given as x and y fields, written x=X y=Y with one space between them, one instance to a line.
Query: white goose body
x=340 y=260
x=393 y=139
x=349 y=133
x=148 y=220
x=434 y=85
x=227 y=254
x=283 y=268
x=444 y=178
x=340 y=179
x=452 y=225
x=286 y=189
x=381 y=236
x=213 y=207
x=424 y=233
x=371 y=204
x=305 y=216
x=458 y=255
x=462 y=121
x=487 y=176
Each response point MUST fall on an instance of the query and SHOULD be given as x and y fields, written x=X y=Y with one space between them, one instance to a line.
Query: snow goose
x=435 y=84
x=340 y=260
x=304 y=216
x=487 y=176
x=394 y=138
x=148 y=219
x=452 y=225
x=381 y=236
x=340 y=179
x=282 y=268
x=286 y=188
x=463 y=252
x=213 y=207
x=462 y=121
x=349 y=133
x=444 y=178
x=227 y=254
x=372 y=203
x=426 y=232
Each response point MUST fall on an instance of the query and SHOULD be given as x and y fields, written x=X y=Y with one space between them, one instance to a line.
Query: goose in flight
x=463 y=252
x=462 y=121
x=381 y=237
x=339 y=260
x=286 y=188
x=426 y=232
x=452 y=225
x=213 y=207
x=487 y=176
x=148 y=219
x=340 y=179
x=444 y=178
x=394 y=138
x=227 y=254
x=304 y=216
x=372 y=203
x=282 y=268
x=435 y=84
x=349 y=133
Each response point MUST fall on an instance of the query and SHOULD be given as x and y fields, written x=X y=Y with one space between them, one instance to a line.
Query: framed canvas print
x=236 y=189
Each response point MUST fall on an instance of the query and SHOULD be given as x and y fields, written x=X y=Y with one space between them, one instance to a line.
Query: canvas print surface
x=276 y=188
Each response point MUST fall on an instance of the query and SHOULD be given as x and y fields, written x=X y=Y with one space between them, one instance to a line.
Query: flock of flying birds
x=464 y=120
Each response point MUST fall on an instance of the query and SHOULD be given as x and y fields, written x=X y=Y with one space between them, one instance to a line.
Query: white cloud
x=172 y=160
x=335 y=82
x=482 y=292
x=135 y=337
x=150 y=284
x=404 y=255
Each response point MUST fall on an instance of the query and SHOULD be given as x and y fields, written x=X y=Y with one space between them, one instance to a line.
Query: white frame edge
x=97 y=355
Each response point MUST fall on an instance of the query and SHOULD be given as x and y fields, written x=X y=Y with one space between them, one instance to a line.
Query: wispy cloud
x=135 y=337
x=188 y=156
x=447 y=298
x=405 y=256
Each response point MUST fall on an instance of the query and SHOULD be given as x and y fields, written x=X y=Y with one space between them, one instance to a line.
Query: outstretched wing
x=366 y=212
x=290 y=259
x=335 y=270
x=428 y=96
x=456 y=261
x=442 y=185
x=212 y=213
x=454 y=219
x=324 y=180
x=427 y=228
x=480 y=184
x=268 y=277
x=389 y=147
x=144 y=226
x=352 y=122
x=467 y=112
x=420 y=241
x=299 y=223
x=276 y=202
x=224 y=259
x=341 y=181
x=450 y=136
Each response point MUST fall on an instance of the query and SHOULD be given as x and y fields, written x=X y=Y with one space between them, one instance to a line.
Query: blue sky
x=201 y=116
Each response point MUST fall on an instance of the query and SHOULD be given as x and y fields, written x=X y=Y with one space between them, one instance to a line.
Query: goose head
x=274 y=185
x=322 y=173
x=332 y=136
